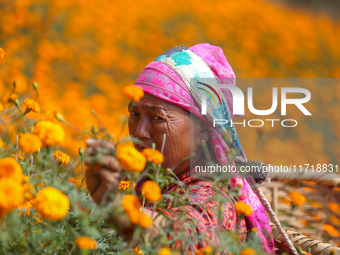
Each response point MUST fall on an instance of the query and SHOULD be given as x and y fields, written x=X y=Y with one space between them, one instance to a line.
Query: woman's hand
x=103 y=174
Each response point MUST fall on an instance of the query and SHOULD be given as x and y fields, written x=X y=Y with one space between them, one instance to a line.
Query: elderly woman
x=170 y=98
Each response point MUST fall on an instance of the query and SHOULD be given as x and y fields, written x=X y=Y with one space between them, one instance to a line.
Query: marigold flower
x=77 y=182
x=133 y=93
x=132 y=206
x=1 y=107
x=13 y=97
x=25 y=207
x=204 y=251
x=164 y=251
x=334 y=207
x=50 y=133
x=31 y=104
x=130 y=158
x=248 y=251
x=11 y=195
x=9 y=168
x=151 y=191
x=1 y=143
x=131 y=203
x=153 y=156
x=52 y=204
x=331 y=230
x=243 y=208
x=297 y=198
x=62 y=157
x=123 y=185
x=138 y=251
x=86 y=243
x=2 y=53
x=29 y=143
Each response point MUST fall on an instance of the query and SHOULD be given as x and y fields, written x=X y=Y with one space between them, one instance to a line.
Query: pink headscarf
x=160 y=80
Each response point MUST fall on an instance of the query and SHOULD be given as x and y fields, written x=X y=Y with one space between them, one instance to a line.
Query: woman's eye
x=134 y=114
x=157 y=118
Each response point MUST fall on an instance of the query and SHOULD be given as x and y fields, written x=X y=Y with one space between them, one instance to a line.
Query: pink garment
x=161 y=81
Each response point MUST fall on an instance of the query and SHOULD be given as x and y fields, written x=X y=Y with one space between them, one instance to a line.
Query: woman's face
x=152 y=117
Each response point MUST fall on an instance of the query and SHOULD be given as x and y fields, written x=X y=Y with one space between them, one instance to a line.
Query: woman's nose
x=143 y=129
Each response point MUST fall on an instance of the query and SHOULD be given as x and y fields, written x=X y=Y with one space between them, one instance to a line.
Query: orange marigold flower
x=29 y=143
x=164 y=251
x=13 y=97
x=334 y=207
x=335 y=220
x=9 y=168
x=316 y=204
x=248 y=251
x=204 y=251
x=86 y=243
x=297 y=198
x=138 y=251
x=50 y=133
x=1 y=143
x=153 y=156
x=331 y=230
x=132 y=206
x=11 y=195
x=1 y=107
x=131 y=203
x=61 y=156
x=151 y=191
x=243 y=208
x=31 y=104
x=130 y=158
x=25 y=207
x=133 y=93
x=2 y=53
x=130 y=185
x=52 y=204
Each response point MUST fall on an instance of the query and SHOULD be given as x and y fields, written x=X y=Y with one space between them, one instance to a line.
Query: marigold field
x=63 y=69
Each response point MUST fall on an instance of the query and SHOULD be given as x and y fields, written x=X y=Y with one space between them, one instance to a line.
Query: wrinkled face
x=152 y=117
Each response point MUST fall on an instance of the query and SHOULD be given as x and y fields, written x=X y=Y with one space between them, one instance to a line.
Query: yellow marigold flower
x=243 y=208
x=11 y=195
x=1 y=107
x=164 y=251
x=130 y=158
x=52 y=204
x=31 y=104
x=248 y=251
x=62 y=157
x=138 y=251
x=204 y=251
x=297 y=198
x=123 y=185
x=86 y=243
x=1 y=143
x=29 y=143
x=2 y=53
x=133 y=93
x=153 y=156
x=331 y=230
x=49 y=132
x=151 y=191
x=131 y=203
x=9 y=168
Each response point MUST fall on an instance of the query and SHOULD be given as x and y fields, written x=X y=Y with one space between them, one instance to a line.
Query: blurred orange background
x=83 y=53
